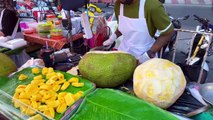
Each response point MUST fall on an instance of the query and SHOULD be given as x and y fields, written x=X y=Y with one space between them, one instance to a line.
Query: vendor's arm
x=9 y=21
x=118 y=33
x=162 y=23
x=161 y=41
x=116 y=9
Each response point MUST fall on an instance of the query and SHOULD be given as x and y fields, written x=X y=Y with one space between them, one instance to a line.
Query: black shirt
x=9 y=21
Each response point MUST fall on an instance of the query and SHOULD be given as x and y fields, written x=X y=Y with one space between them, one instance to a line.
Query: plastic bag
x=32 y=63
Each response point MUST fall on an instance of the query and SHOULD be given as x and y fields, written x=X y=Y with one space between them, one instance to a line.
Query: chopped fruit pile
x=43 y=93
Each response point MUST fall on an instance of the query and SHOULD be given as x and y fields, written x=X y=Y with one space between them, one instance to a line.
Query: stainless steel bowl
x=206 y=91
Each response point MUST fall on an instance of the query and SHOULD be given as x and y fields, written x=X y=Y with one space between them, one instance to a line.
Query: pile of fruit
x=46 y=92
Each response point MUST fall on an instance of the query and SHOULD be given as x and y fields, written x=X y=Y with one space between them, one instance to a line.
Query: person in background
x=138 y=21
x=9 y=27
x=9 y=23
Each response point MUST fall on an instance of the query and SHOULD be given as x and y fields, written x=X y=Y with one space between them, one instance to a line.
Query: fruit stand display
x=44 y=93
x=45 y=90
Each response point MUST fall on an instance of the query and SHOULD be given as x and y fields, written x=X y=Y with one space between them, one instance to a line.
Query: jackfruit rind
x=107 y=69
x=7 y=66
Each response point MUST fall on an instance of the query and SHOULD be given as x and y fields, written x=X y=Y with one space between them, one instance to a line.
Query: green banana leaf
x=9 y=85
x=108 y=104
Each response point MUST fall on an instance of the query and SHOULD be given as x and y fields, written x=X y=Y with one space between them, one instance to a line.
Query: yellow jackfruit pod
x=29 y=112
x=38 y=77
x=60 y=76
x=16 y=95
x=50 y=70
x=56 y=87
x=73 y=80
x=36 y=70
x=36 y=97
x=78 y=95
x=26 y=101
x=19 y=90
x=60 y=81
x=61 y=108
x=37 y=82
x=17 y=104
x=61 y=100
x=31 y=89
x=46 y=96
x=54 y=97
x=80 y=92
x=36 y=117
x=52 y=92
x=22 y=77
x=40 y=84
x=34 y=104
x=65 y=86
x=44 y=71
x=54 y=78
x=78 y=84
x=45 y=87
x=50 y=95
x=69 y=99
x=43 y=100
x=24 y=95
x=62 y=94
x=52 y=112
x=50 y=82
x=23 y=108
x=42 y=92
x=52 y=103
x=49 y=75
x=22 y=86
x=61 y=97
x=43 y=108
x=47 y=113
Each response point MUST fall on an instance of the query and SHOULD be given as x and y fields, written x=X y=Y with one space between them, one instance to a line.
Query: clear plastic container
x=51 y=18
x=56 y=33
x=44 y=30
x=44 y=27
x=8 y=110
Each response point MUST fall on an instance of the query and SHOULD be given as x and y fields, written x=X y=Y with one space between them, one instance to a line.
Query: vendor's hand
x=146 y=56
x=151 y=54
x=143 y=58
x=110 y=41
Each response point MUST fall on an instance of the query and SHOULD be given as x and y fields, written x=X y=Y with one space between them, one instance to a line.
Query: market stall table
x=57 y=44
x=8 y=51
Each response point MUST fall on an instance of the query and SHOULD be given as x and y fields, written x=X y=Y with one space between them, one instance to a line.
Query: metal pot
x=206 y=91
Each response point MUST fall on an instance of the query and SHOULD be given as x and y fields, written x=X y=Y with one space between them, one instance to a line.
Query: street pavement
x=204 y=11
x=179 y=10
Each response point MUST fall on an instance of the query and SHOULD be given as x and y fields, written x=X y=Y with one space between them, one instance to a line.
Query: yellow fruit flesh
x=36 y=117
x=65 y=86
x=73 y=80
x=23 y=77
x=41 y=95
x=35 y=70
x=78 y=84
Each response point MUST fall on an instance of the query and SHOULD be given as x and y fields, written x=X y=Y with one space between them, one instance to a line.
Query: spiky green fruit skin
x=7 y=66
x=107 y=69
